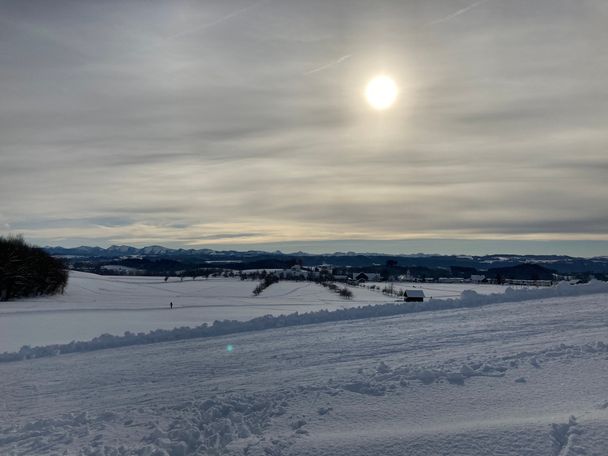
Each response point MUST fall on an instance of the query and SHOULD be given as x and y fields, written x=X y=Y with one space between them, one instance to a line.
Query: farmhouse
x=366 y=277
x=413 y=295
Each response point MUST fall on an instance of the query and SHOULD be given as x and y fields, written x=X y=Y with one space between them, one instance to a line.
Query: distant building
x=121 y=270
x=366 y=277
x=450 y=280
x=294 y=273
x=413 y=295
x=407 y=277
x=477 y=278
x=314 y=275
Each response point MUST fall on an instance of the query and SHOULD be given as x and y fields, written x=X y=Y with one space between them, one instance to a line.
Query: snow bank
x=468 y=298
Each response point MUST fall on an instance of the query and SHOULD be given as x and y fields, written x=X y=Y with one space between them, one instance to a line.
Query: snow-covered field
x=441 y=290
x=512 y=378
x=94 y=304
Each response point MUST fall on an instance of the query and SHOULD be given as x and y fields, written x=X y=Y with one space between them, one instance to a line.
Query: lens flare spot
x=229 y=348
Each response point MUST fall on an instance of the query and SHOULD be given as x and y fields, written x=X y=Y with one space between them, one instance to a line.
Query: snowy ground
x=94 y=304
x=442 y=290
x=522 y=378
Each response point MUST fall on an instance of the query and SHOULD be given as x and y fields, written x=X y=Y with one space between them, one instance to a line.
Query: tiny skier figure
x=171 y=305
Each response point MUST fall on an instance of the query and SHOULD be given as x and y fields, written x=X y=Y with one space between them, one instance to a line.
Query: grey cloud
x=200 y=118
x=227 y=236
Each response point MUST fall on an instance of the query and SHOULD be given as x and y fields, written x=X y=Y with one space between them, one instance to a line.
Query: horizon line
x=398 y=247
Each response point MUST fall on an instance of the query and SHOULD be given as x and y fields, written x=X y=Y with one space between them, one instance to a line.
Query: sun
x=381 y=92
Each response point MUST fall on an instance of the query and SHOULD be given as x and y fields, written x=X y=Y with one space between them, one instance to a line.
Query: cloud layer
x=203 y=122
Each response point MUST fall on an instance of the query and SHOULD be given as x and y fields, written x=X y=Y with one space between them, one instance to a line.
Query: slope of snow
x=513 y=378
x=93 y=305
x=468 y=298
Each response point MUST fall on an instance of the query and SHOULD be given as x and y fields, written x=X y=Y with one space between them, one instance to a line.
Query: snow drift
x=469 y=298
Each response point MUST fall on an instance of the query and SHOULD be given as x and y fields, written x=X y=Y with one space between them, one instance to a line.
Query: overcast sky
x=217 y=122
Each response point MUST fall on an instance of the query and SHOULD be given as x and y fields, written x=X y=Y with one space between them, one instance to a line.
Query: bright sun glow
x=381 y=92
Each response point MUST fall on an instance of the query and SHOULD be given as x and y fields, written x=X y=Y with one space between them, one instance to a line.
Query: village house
x=363 y=277
x=413 y=295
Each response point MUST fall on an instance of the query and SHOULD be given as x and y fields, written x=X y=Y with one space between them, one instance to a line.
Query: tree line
x=27 y=270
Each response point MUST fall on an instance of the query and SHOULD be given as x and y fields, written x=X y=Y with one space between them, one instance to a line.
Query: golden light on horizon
x=381 y=92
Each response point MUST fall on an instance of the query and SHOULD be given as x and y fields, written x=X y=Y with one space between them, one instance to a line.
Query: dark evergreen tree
x=26 y=270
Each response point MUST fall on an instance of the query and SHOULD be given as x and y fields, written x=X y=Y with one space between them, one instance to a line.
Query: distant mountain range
x=126 y=250
x=560 y=263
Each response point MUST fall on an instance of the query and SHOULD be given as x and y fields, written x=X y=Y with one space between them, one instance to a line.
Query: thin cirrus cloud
x=209 y=123
x=457 y=13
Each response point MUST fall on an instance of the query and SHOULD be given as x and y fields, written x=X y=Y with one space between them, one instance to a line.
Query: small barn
x=413 y=295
